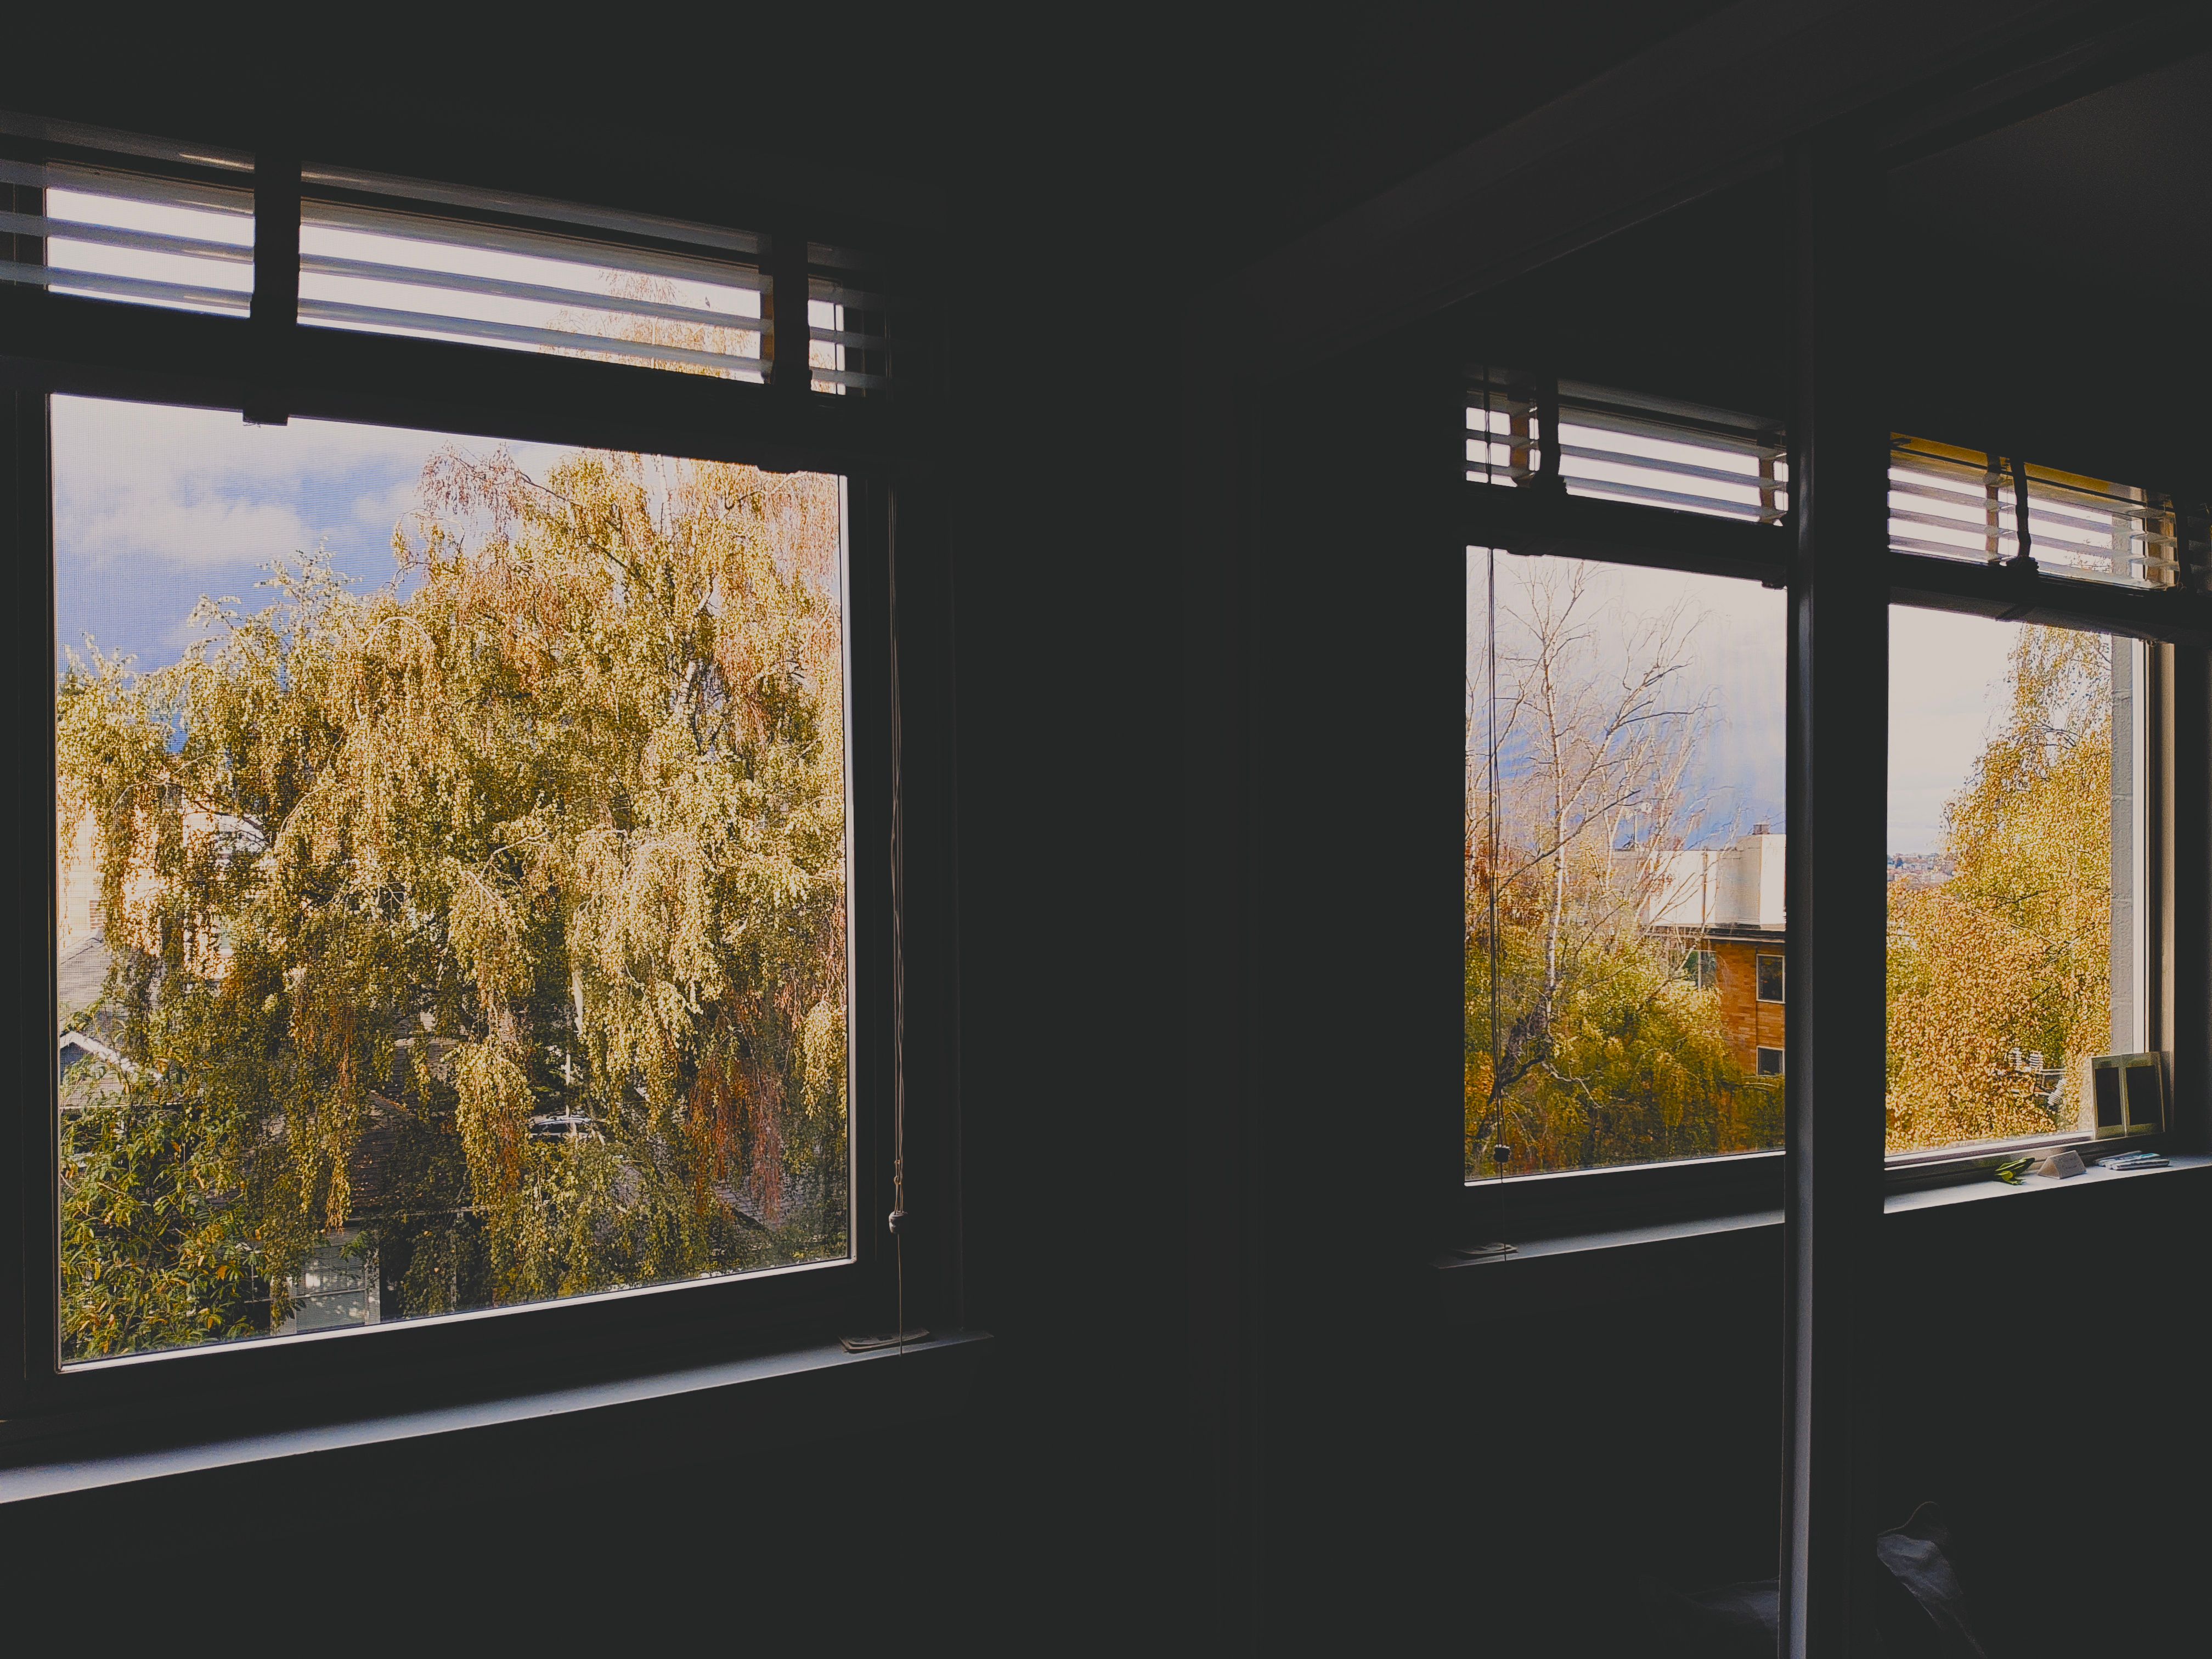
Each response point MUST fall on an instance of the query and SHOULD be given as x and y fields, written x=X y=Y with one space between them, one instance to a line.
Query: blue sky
x=1947 y=691
x=156 y=507
x=1733 y=663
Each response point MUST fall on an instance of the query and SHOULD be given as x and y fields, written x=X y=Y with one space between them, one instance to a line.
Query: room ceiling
x=2111 y=191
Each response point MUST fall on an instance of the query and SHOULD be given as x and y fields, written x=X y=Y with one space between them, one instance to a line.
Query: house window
x=2015 y=876
x=455 y=903
x=1770 y=1063
x=1624 y=783
x=1770 y=979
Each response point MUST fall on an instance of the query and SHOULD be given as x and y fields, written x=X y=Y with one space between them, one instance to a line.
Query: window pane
x=451 y=860
x=1770 y=979
x=1624 y=854
x=2015 y=849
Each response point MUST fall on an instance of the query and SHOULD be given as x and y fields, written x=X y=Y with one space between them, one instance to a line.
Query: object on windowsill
x=1484 y=1252
x=2062 y=1165
x=2012 y=1170
x=2126 y=1161
x=876 y=1344
x=2129 y=1094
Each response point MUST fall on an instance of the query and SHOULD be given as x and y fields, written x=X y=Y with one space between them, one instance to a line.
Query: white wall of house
x=1734 y=886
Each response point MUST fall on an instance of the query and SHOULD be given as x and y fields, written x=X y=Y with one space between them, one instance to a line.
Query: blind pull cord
x=2023 y=560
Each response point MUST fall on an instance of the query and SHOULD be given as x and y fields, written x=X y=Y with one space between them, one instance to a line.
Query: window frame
x=1759 y=978
x=897 y=626
x=1539 y=519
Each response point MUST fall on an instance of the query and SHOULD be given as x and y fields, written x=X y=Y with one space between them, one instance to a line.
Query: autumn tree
x=513 y=888
x=1584 y=1043
x=2010 y=957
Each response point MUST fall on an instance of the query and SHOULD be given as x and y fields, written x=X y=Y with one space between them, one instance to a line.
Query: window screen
x=457 y=934
x=1624 y=854
x=2016 y=949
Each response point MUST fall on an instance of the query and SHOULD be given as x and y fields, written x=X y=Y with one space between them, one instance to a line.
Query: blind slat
x=138 y=241
x=415 y=322
x=318 y=264
x=1680 y=469
x=127 y=287
x=720 y=239
x=534 y=244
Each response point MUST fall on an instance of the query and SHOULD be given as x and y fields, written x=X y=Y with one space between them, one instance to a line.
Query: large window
x=1627 y=946
x=2016 y=840
x=1623 y=858
x=453 y=874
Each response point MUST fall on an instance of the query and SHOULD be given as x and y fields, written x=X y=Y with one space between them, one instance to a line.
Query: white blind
x=112 y=233
x=440 y=262
x=1623 y=446
x=848 y=323
x=1960 y=504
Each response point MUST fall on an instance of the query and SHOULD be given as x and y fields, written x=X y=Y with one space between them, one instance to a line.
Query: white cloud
x=200 y=488
x=143 y=521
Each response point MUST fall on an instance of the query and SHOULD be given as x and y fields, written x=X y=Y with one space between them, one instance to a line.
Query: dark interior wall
x=1054 y=1513
x=1513 y=1467
x=1501 y=1477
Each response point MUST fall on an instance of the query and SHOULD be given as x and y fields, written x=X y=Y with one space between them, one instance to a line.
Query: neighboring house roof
x=86 y=1032
x=75 y=1046
x=80 y=974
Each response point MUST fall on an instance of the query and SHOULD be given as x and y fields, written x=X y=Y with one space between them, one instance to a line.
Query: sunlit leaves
x=550 y=826
x=2012 y=954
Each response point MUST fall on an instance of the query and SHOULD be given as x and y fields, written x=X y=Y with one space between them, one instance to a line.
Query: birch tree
x=1584 y=1043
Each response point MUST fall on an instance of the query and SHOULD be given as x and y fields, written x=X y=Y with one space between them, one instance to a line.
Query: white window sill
x=1690 y=1257
x=766 y=1402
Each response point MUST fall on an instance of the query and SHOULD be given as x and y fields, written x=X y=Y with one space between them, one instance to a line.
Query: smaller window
x=1702 y=969
x=1770 y=980
x=1624 y=446
x=1770 y=1059
x=1955 y=503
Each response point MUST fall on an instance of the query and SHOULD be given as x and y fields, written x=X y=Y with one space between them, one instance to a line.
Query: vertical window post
x=276 y=307
x=2186 y=934
x=794 y=378
x=1834 y=1072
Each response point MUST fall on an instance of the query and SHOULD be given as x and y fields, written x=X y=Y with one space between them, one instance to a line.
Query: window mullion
x=1838 y=647
x=276 y=308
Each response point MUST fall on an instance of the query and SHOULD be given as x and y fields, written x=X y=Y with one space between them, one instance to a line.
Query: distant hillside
x=1921 y=869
